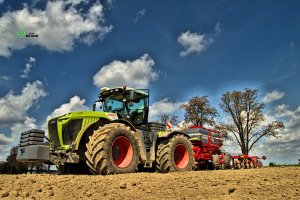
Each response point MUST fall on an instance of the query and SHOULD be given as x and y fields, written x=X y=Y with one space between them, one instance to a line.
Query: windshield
x=111 y=104
x=126 y=108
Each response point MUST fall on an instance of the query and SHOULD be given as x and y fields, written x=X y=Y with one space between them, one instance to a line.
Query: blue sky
x=178 y=49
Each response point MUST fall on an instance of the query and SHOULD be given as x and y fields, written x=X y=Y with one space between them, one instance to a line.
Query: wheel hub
x=122 y=152
x=181 y=156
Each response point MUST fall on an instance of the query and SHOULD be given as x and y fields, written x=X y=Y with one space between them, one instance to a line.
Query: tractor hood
x=87 y=113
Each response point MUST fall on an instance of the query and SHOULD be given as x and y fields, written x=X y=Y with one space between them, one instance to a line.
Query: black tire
x=175 y=155
x=216 y=161
x=227 y=161
x=104 y=150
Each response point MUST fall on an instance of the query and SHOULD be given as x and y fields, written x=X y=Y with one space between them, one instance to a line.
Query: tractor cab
x=129 y=104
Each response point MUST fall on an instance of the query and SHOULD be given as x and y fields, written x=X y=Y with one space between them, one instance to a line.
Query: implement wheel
x=112 y=149
x=227 y=160
x=216 y=161
x=175 y=155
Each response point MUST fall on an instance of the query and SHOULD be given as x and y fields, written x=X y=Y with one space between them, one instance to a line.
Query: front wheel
x=112 y=149
x=174 y=155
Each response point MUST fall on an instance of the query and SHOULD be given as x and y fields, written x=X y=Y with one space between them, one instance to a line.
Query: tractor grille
x=53 y=133
x=70 y=131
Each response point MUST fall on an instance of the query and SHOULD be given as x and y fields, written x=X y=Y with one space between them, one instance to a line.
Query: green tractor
x=118 y=140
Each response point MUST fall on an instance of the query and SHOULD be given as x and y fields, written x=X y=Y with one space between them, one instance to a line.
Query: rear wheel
x=175 y=155
x=112 y=149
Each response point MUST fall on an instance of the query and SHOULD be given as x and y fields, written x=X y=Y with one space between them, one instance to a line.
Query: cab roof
x=106 y=91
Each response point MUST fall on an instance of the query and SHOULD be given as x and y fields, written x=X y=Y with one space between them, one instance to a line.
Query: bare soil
x=265 y=183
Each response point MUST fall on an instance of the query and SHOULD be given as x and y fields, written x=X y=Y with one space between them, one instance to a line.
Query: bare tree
x=199 y=111
x=246 y=119
x=164 y=118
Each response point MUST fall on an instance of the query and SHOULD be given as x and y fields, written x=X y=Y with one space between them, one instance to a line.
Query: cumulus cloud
x=28 y=67
x=13 y=107
x=6 y=142
x=75 y=104
x=286 y=148
x=13 y=114
x=273 y=96
x=138 y=73
x=139 y=15
x=193 y=43
x=164 y=106
x=283 y=111
x=57 y=27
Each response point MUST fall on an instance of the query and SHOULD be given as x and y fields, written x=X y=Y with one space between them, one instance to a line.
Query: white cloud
x=13 y=114
x=1 y=1
x=13 y=107
x=139 y=15
x=283 y=111
x=286 y=148
x=75 y=104
x=75 y=2
x=6 y=142
x=58 y=26
x=138 y=73
x=4 y=78
x=32 y=59
x=28 y=66
x=193 y=43
x=163 y=106
x=218 y=27
x=273 y=96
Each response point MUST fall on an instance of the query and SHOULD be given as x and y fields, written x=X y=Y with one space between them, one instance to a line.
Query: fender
x=166 y=134
x=87 y=130
x=123 y=121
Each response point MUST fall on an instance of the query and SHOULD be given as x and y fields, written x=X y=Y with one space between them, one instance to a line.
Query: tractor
x=119 y=139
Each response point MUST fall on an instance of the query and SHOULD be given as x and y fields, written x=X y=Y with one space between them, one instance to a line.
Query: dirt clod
x=4 y=194
x=50 y=193
x=123 y=185
x=231 y=190
x=33 y=180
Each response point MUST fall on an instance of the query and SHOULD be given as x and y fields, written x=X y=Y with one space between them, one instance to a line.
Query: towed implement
x=208 y=153
x=117 y=140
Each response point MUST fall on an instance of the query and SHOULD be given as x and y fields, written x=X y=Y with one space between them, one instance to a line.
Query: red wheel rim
x=122 y=152
x=181 y=156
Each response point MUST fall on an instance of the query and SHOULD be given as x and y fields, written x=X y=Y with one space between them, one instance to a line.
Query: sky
x=178 y=49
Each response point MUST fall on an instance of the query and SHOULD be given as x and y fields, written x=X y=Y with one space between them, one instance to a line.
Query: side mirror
x=131 y=95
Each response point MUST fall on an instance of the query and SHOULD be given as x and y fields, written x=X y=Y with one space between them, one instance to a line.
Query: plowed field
x=265 y=183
